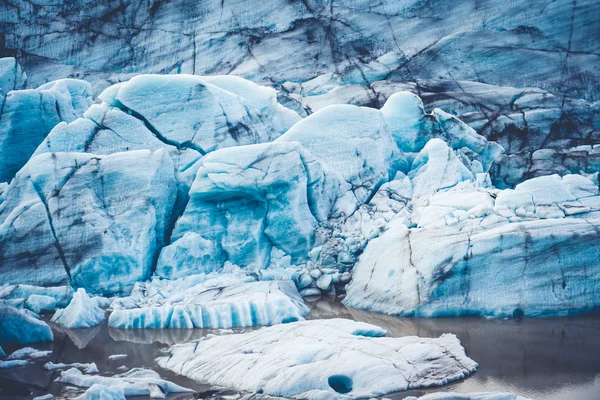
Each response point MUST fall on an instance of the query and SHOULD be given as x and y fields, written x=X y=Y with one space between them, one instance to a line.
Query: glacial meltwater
x=539 y=358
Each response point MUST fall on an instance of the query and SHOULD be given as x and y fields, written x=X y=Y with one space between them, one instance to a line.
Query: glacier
x=321 y=359
x=93 y=246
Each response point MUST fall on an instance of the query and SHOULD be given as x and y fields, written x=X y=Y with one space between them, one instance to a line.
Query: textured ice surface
x=321 y=359
x=82 y=312
x=96 y=221
x=135 y=382
x=247 y=202
x=217 y=301
x=18 y=326
x=102 y=392
x=26 y=117
x=186 y=115
x=472 y=250
x=88 y=368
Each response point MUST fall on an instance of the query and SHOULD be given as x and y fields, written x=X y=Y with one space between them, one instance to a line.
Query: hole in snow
x=369 y=332
x=289 y=319
x=340 y=383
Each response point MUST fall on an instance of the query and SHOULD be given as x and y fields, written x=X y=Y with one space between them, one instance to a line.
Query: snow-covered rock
x=321 y=359
x=96 y=221
x=189 y=116
x=27 y=116
x=217 y=301
x=82 y=312
x=135 y=382
x=16 y=326
x=471 y=250
x=246 y=204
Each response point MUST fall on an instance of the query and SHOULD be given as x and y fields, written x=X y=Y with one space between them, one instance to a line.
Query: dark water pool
x=546 y=359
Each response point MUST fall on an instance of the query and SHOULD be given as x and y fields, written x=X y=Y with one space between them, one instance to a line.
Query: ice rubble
x=188 y=116
x=208 y=301
x=28 y=115
x=88 y=368
x=96 y=221
x=135 y=382
x=470 y=249
x=82 y=312
x=321 y=359
x=20 y=327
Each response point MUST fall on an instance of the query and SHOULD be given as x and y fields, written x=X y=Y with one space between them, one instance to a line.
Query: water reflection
x=545 y=359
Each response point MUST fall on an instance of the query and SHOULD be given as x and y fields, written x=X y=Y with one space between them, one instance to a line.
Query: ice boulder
x=187 y=115
x=531 y=251
x=102 y=392
x=18 y=327
x=135 y=382
x=205 y=301
x=247 y=202
x=28 y=116
x=82 y=312
x=96 y=221
x=353 y=142
x=321 y=359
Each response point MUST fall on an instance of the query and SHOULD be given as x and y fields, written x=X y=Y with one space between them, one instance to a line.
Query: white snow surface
x=321 y=359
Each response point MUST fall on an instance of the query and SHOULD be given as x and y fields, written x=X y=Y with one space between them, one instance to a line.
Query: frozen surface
x=249 y=206
x=321 y=359
x=19 y=327
x=186 y=115
x=97 y=222
x=472 y=250
x=82 y=312
x=219 y=301
x=27 y=116
x=135 y=382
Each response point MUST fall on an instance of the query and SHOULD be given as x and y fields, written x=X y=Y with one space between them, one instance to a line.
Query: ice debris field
x=184 y=201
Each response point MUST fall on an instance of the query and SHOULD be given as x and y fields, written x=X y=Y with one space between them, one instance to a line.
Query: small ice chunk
x=40 y=303
x=90 y=368
x=29 y=352
x=82 y=312
x=135 y=382
x=101 y=392
x=44 y=397
x=12 y=363
x=117 y=356
x=19 y=326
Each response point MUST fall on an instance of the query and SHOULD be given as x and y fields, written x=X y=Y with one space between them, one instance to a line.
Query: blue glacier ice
x=187 y=115
x=208 y=301
x=28 y=115
x=36 y=298
x=246 y=203
x=19 y=327
x=97 y=222
x=82 y=312
x=470 y=249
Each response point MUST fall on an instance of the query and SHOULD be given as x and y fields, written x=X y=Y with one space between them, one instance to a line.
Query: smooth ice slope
x=321 y=359
x=96 y=221
x=200 y=301
x=82 y=312
x=18 y=327
x=470 y=250
x=27 y=116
